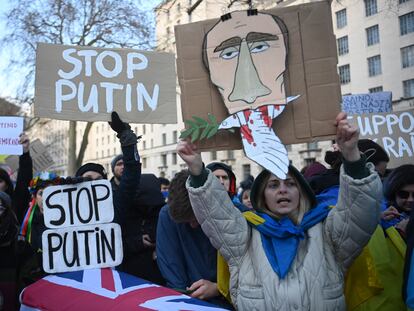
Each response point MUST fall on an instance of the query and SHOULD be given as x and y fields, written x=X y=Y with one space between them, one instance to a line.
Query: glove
x=126 y=136
x=117 y=125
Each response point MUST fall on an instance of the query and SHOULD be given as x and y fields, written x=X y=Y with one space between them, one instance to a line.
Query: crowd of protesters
x=334 y=237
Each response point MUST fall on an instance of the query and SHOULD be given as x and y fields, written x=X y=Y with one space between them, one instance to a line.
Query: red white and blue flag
x=105 y=289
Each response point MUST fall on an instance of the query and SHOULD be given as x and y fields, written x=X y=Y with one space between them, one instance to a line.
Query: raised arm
x=225 y=226
x=351 y=223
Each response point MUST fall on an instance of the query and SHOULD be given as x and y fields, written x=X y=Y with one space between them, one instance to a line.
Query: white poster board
x=84 y=247
x=81 y=235
x=10 y=129
x=367 y=103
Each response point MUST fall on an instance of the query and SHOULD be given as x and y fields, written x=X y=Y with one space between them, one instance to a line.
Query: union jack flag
x=105 y=289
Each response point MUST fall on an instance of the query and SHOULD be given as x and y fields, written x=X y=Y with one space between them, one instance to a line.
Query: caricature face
x=246 y=58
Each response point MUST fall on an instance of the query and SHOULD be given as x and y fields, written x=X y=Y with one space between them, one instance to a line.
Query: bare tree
x=103 y=23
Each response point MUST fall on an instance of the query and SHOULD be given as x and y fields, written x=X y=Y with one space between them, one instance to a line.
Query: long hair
x=304 y=202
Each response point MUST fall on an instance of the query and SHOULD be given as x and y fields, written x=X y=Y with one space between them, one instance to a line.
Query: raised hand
x=347 y=136
x=24 y=141
x=191 y=156
x=117 y=124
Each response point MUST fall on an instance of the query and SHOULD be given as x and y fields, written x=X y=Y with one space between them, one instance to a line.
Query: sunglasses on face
x=405 y=194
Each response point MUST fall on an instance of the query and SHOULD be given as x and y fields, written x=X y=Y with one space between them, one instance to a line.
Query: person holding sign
x=289 y=252
x=124 y=195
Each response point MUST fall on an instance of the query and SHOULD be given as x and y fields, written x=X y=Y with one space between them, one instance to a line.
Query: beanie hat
x=6 y=177
x=5 y=199
x=93 y=167
x=374 y=152
x=313 y=169
x=214 y=166
x=333 y=158
x=397 y=179
x=115 y=160
x=262 y=177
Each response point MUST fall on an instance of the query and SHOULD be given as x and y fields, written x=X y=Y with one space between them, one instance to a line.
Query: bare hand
x=24 y=141
x=347 y=138
x=402 y=225
x=191 y=156
x=204 y=289
x=390 y=213
x=147 y=241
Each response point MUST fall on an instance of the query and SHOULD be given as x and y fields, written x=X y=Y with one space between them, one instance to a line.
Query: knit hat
x=263 y=176
x=313 y=169
x=397 y=179
x=115 y=160
x=213 y=166
x=6 y=177
x=374 y=152
x=91 y=167
x=5 y=199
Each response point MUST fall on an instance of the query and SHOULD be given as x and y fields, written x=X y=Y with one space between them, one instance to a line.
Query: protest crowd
x=325 y=238
x=329 y=236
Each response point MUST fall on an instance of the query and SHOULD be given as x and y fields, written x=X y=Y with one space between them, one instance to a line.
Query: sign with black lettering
x=393 y=131
x=367 y=103
x=10 y=129
x=79 y=204
x=81 y=235
x=84 y=247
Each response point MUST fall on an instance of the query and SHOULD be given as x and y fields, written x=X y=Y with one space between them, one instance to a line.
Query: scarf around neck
x=280 y=238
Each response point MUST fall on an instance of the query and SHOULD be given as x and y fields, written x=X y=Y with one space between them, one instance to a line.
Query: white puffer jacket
x=316 y=278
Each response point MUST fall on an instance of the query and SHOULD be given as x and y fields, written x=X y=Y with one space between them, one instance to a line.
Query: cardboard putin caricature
x=246 y=53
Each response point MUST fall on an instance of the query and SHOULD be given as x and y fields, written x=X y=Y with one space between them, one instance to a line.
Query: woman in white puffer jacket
x=291 y=254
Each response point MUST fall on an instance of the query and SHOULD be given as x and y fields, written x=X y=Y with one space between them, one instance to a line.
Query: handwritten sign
x=367 y=103
x=10 y=129
x=40 y=157
x=87 y=84
x=82 y=235
x=393 y=131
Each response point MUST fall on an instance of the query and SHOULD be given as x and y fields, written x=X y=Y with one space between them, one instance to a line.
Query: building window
x=178 y=8
x=103 y=141
x=144 y=129
x=167 y=31
x=408 y=87
x=374 y=65
x=375 y=89
x=407 y=56
x=144 y=162
x=341 y=19
x=372 y=35
x=152 y=143
x=403 y=1
x=213 y=155
x=312 y=145
x=407 y=23
x=164 y=139
x=343 y=45
x=370 y=7
x=114 y=151
x=174 y=158
x=164 y=160
x=144 y=145
x=246 y=171
x=230 y=154
x=344 y=74
x=309 y=161
x=175 y=139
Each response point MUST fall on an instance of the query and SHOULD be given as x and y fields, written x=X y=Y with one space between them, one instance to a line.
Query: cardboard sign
x=87 y=84
x=40 y=157
x=393 y=131
x=367 y=103
x=84 y=247
x=10 y=129
x=83 y=237
x=79 y=204
x=310 y=72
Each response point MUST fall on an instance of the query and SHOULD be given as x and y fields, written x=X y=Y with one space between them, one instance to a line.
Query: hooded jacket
x=315 y=280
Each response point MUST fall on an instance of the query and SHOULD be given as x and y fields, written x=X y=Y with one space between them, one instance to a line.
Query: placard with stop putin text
x=10 y=129
x=81 y=235
x=88 y=83
x=393 y=131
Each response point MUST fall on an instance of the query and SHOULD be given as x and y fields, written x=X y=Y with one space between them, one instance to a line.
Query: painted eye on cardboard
x=258 y=47
x=229 y=53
